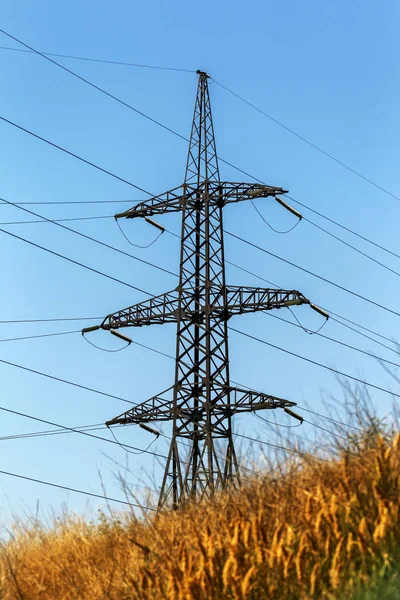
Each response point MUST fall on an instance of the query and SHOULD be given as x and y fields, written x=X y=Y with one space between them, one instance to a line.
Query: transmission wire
x=314 y=362
x=370 y=181
x=98 y=60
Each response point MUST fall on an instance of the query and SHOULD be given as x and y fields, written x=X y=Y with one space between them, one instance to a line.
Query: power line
x=84 y=430
x=365 y=335
x=80 y=431
x=88 y=162
x=50 y=320
x=75 y=262
x=330 y=419
x=302 y=138
x=29 y=50
x=88 y=428
x=292 y=450
x=314 y=362
x=361 y=327
x=276 y=286
x=42 y=335
x=50 y=432
x=299 y=326
x=56 y=202
x=172 y=358
x=54 y=220
x=94 y=86
x=327 y=337
x=337 y=435
x=344 y=227
x=57 y=221
x=100 y=425
x=76 y=331
x=229 y=233
x=299 y=425
x=313 y=274
x=332 y=314
x=332 y=235
x=95 y=428
x=99 y=60
x=92 y=164
x=54 y=378
x=97 y=217
x=186 y=139
x=170 y=272
x=75 y=490
x=51 y=203
x=103 y=91
x=92 y=239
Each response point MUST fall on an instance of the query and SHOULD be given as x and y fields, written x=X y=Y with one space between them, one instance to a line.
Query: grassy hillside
x=311 y=530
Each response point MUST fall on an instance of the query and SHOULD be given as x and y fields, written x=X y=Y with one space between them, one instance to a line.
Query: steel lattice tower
x=203 y=401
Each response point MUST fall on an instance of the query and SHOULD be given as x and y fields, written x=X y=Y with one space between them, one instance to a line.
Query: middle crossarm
x=157 y=310
x=159 y=409
x=243 y=299
x=226 y=301
x=186 y=195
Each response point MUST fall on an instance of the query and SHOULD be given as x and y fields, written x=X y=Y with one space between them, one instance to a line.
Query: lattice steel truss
x=203 y=401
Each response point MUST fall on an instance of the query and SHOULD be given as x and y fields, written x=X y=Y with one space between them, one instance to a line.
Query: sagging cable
x=277 y=424
x=139 y=245
x=119 y=335
x=269 y=225
x=320 y=311
x=124 y=447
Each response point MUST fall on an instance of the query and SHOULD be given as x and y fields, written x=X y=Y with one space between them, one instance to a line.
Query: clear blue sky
x=327 y=70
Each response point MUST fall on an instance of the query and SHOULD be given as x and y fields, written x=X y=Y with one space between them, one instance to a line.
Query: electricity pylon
x=203 y=401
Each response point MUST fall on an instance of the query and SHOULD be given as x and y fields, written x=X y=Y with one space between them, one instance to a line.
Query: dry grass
x=307 y=534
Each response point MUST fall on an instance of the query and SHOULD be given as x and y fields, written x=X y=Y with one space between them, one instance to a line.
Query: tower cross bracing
x=201 y=402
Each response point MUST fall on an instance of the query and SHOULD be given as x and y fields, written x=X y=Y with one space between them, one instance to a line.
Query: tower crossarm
x=168 y=202
x=158 y=310
x=156 y=408
x=237 y=192
x=242 y=400
x=226 y=301
x=240 y=299
x=191 y=196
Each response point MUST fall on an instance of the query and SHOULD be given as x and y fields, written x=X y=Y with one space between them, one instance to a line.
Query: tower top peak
x=202 y=73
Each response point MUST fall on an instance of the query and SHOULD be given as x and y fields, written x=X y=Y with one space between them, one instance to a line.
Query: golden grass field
x=315 y=530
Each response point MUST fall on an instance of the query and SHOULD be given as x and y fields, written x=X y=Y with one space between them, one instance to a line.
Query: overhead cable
x=92 y=239
x=75 y=490
x=292 y=264
x=54 y=378
x=186 y=139
x=88 y=162
x=93 y=85
x=302 y=138
x=75 y=262
x=100 y=60
x=316 y=363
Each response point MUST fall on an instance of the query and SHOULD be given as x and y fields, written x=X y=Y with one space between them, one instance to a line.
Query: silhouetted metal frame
x=203 y=401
